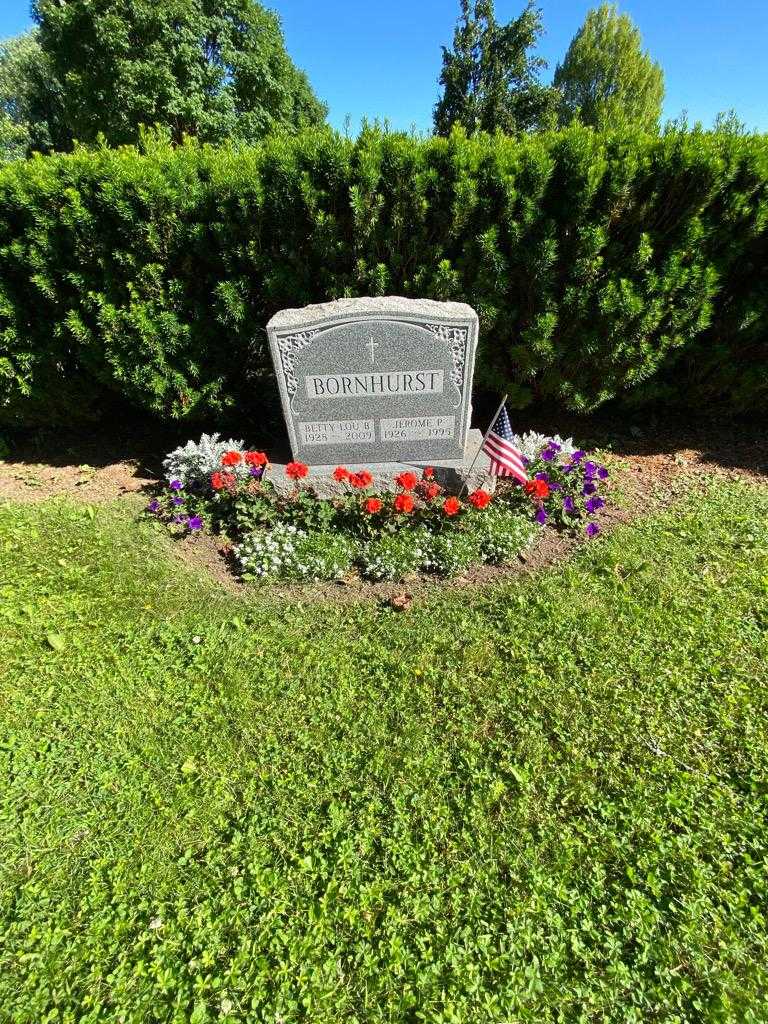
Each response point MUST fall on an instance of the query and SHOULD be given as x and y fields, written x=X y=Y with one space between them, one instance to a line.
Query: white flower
x=196 y=460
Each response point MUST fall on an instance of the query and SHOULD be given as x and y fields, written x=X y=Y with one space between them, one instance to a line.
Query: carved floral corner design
x=289 y=347
x=456 y=338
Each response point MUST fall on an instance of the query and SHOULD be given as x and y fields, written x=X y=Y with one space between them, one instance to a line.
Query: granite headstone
x=376 y=380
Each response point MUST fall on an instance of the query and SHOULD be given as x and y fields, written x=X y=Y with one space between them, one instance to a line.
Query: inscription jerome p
x=418 y=428
x=420 y=382
x=375 y=380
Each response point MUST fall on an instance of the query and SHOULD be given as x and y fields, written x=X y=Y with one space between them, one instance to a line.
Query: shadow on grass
x=739 y=445
x=143 y=445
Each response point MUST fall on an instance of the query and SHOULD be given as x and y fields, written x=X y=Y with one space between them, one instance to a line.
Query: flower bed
x=415 y=527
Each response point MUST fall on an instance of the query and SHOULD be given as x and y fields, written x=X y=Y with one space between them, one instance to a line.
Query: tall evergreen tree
x=606 y=78
x=23 y=70
x=490 y=79
x=216 y=69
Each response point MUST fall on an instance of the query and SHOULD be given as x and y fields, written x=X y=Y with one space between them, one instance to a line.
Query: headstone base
x=452 y=474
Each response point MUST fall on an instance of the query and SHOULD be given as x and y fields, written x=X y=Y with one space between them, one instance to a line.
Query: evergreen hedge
x=601 y=266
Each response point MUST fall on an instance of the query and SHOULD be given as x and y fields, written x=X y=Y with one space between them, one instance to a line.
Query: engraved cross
x=371 y=346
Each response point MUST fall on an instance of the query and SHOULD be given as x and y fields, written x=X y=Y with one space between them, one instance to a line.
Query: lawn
x=544 y=801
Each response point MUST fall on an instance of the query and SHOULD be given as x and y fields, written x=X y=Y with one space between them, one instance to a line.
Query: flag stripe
x=506 y=457
x=497 y=444
x=499 y=470
x=508 y=464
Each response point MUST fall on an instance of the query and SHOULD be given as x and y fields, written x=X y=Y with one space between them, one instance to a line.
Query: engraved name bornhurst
x=400 y=382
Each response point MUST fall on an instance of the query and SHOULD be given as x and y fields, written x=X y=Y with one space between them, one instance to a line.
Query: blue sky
x=382 y=59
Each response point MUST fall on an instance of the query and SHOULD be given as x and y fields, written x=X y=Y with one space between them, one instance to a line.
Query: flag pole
x=485 y=435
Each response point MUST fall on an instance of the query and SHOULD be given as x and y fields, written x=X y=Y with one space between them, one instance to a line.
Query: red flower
x=451 y=506
x=222 y=480
x=480 y=498
x=428 y=473
x=340 y=474
x=373 y=505
x=231 y=459
x=404 y=503
x=361 y=479
x=256 y=458
x=536 y=488
x=296 y=470
x=406 y=480
x=431 y=491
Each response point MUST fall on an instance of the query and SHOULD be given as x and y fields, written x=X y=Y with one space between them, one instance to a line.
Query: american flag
x=506 y=460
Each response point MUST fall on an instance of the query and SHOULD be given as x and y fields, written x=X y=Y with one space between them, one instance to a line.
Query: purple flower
x=578 y=455
x=179 y=520
x=593 y=504
x=256 y=471
x=177 y=500
x=555 y=486
x=568 y=468
x=592 y=529
x=153 y=506
x=542 y=476
x=588 y=488
x=547 y=455
x=176 y=485
x=568 y=505
x=526 y=461
x=554 y=445
x=541 y=516
x=590 y=468
x=602 y=472
x=195 y=523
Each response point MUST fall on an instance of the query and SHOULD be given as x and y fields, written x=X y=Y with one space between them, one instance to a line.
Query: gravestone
x=384 y=383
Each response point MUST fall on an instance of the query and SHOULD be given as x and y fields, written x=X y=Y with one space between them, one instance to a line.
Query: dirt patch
x=212 y=556
x=648 y=473
x=36 y=481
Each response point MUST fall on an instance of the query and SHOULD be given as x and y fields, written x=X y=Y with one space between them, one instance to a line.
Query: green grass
x=544 y=802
